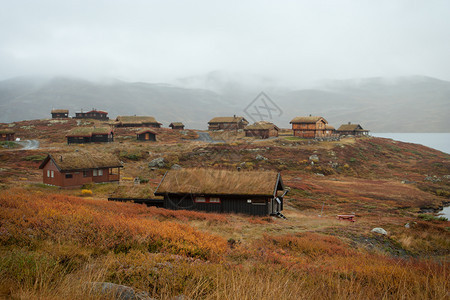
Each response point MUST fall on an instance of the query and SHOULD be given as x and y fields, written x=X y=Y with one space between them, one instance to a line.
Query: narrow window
x=95 y=172
x=52 y=173
x=48 y=173
x=200 y=200
x=214 y=200
x=100 y=172
x=69 y=176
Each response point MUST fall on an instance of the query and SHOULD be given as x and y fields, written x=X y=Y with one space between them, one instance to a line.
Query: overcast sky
x=293 y=41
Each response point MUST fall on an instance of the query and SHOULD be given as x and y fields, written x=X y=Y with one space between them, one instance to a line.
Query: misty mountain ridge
x=402 y=104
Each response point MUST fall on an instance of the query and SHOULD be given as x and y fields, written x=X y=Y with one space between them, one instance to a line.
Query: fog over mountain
x=403 y=104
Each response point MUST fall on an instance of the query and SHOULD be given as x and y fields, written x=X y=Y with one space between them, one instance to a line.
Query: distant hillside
x=407 y=104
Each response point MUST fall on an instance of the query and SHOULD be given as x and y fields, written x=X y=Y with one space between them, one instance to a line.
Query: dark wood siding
x=146 y=136
x=258 y=206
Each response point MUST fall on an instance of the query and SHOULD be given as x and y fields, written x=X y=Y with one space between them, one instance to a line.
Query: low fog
x=292 y=42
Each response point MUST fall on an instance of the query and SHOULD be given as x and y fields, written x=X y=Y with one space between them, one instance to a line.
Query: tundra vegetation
x=55 y=243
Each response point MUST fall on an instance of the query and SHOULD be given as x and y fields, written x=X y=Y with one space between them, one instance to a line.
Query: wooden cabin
x=227 y=123
x=329 y=130
x=136 y=121
x=352 y=129
x=60 y=113
x=223 y=191
x=177 y=125
x=77 y=168
x=7 y=135
x=82 y=135
x=93 y=114
x=146 y=135
x=309 y=127
x=262 y=130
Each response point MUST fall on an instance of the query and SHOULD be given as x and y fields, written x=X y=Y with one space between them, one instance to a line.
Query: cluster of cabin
x=304 y=127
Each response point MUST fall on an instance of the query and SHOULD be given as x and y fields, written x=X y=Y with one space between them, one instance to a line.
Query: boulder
x=118 y=291
x=159 y=162
x=314 y=158
x=260 y=157
x=379 y=230
x=176 y=167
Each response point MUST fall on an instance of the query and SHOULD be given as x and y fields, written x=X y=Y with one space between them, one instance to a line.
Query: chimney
x=310 y=115
x=349 y=123
x=60 y=158
x=234 y=116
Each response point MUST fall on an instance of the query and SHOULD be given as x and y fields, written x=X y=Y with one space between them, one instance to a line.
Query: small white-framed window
x=200 y=199
x=52 y=173
x=214 y=200
x=100 y=172
x=48 y=173
x=95 y=172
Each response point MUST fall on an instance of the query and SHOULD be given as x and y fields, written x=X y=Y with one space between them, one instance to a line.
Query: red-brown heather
x=54 y=243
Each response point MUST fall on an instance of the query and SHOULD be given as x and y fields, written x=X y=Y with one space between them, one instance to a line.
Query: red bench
x=350 y=218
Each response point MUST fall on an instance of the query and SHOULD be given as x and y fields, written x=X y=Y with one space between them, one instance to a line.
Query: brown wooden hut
x=146 y=134
x=352 y=129
x=329 y=130
x=82 y=135
x=136 y=121
x=227 y=123
x=177 y=125
x=7 y=135
x=262 y=130
x=93 y=114
x=77 y=169
x=60 y=113
x=309 y=127
x=223 y=191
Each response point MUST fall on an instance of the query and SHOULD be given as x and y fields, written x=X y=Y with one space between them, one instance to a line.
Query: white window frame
x=94 y=172
x=100 y=172
x=52 y=173
x=200 y=200
x=48 y=173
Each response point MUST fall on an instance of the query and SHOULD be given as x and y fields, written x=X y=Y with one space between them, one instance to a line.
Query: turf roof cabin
x=93 y=114
x=310 y=127
x=76 y=169
x=223 y=191
x=60 y=113
x=136 y=121
x=7 y=135
x=146 y=135
x=83 y=135
x=227 y=123
x=177 y=125
x=262 y=130
x=352 y=129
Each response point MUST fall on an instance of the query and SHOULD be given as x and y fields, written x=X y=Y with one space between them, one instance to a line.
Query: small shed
x=93 y=114
x=79 y=168
x=146 y=134
x=82 y=135
x=309 y=127
x=227 y=123
x=177 y=125
x=352 y=129
x=7 y=135
x=223 y=191
x=60 y=113
x=136 y=121
x=262 y=130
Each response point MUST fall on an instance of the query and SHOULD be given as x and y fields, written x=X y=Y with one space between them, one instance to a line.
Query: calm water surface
x=439 y=141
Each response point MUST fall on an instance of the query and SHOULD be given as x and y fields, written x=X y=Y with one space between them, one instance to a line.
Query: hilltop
x=406 y=104
x=58 y=241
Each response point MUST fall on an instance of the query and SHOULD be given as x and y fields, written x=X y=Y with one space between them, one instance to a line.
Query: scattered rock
x=319 y=174
x=260 y=157
x=407 y=225
x=433 y=178
x=379 y=230
x=314 y=158
x=159 y=162
x=176 y=167
x=407 y=181
x=118 y=291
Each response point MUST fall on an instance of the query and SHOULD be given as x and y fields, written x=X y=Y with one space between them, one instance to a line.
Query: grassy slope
x=53 y=241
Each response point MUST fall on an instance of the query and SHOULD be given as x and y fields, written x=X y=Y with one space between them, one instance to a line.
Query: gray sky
x=293 y=41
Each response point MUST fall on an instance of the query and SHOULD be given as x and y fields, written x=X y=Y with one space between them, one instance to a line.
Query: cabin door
x=147 y=136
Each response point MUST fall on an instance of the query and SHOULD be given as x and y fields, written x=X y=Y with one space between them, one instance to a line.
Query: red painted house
x=77 y=168
x=7 y=135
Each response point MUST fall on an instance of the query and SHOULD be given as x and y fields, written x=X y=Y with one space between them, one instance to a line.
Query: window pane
x=200 y=199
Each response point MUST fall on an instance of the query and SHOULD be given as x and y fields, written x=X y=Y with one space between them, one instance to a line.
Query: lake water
x=445 y=212
x=439 y=141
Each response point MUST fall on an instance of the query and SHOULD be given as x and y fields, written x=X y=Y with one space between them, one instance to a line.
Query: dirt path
x=29 y=144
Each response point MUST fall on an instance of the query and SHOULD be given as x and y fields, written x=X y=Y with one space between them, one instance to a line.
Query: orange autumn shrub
x=31 y=217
